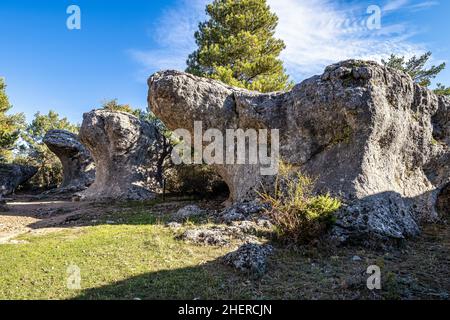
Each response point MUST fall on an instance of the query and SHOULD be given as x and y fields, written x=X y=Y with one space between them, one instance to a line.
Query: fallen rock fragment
x=249 y=258
x=212 y=236
x=376 y=219
x=223 y=234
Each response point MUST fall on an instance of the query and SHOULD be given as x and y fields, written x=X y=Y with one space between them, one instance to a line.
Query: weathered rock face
x=12 y=176
x=78 y=165
x=128 y=155
x=367 y=133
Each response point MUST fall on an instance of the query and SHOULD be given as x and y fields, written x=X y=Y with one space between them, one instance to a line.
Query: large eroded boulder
x=78 y=165
x=12 y=176
x=128 y=155
x=367 y=133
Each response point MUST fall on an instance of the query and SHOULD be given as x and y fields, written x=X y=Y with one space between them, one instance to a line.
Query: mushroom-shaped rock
x=367 y=134
x=78 y=165
x=128 y=155
x=12 y=176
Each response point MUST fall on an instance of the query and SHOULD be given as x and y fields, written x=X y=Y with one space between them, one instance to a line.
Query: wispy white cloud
x=319 y=32
x=316 y=33
x=423 y=5
x=393 y=5
x=173 y=34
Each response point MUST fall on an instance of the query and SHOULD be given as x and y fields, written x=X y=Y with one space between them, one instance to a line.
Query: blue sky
x=121 y=43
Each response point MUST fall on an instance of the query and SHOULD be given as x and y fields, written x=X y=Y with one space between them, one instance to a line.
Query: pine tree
x=415 y=67
x=114 y=105
x=9 y=125
x=442 y=90
x=237 y=46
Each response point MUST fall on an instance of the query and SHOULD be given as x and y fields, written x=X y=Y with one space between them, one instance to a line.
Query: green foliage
x=35 y=152
x=144 y=115
x=113 y=105
x=415 y=67
x=298 y=215
x=237 y=46
x=138 y=258
x=10 y=125
x=104 y=253
x=442 y=90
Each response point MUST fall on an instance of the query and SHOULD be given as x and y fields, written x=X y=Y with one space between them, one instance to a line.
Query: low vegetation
x=137 y=257
x=10 y=125
x=299 y=216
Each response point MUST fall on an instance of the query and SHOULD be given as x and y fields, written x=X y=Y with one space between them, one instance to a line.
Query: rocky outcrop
x=367 y=133
x=12 y=176
x=250 y=258
x=78 y=165
x=222 y=235
x=128 y=155
x=187 y=213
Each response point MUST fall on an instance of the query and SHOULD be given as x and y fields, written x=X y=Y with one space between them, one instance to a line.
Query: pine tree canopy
x=237 y=46
x=9 y=125
x=415 y=67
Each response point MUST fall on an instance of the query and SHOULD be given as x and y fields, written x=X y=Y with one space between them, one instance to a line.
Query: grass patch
x=127 y=261
x=139 y=258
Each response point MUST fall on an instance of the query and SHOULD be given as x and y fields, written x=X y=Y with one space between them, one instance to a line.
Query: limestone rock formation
x=222 y=235
x=128 y=155
x=78 y=165
x=12 y=176
x=367 y=133
x=250 y=258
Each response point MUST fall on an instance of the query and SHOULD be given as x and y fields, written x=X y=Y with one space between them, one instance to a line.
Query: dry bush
x=298 y=215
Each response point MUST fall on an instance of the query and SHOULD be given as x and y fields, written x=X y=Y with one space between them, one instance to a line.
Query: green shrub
x=298 y=215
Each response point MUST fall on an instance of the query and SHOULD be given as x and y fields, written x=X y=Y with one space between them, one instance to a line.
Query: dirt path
x=28 y=215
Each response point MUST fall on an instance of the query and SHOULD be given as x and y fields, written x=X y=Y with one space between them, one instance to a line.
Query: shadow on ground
x=418 y=271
